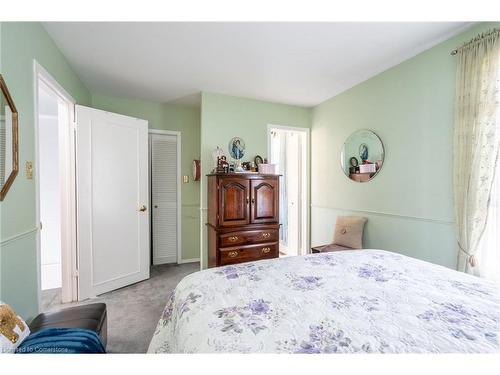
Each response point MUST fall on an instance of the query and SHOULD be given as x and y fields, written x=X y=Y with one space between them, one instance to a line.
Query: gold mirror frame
x=15 y=141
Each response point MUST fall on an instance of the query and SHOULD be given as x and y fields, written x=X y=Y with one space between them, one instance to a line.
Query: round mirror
x=236 y=148
x=362 y=155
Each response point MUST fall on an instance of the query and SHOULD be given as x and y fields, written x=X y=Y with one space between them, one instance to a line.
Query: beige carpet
x=133 y=311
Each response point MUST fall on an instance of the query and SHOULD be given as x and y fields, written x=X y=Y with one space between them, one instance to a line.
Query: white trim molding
x=41 y=73
x=307 y=131
x=193 y=260
x=42 y=78
x=168 y=132
x=387 y=214
x=19 y=236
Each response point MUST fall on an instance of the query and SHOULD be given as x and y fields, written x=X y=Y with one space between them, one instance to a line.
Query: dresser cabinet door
x=265 y=200
x=234 y=202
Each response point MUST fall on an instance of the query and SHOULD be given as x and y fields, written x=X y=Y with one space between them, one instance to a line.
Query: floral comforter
x=343 y=302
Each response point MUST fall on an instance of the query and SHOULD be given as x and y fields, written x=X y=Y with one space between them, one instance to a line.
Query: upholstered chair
x=348 y=235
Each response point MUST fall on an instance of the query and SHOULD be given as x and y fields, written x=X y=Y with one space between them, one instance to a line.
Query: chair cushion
x=349 y=231
x=92 y=317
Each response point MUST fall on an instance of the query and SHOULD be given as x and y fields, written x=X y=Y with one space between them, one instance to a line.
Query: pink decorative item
x=267 y=168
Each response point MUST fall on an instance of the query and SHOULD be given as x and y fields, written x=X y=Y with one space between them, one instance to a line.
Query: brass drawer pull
x=232 y=254
x=266 y=235
x=265 y=250
x=233 y=238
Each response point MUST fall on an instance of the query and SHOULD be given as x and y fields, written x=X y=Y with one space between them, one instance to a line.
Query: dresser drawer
x=231 y=255
x=248 y=237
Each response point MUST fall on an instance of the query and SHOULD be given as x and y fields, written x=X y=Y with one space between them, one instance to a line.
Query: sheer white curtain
x=488 y=253
x=476 y=147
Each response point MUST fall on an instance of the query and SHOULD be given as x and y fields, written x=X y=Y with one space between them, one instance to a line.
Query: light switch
x=185 y=179
x=29 y=170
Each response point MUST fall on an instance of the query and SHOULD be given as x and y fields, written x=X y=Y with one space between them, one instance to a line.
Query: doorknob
x=143 y=208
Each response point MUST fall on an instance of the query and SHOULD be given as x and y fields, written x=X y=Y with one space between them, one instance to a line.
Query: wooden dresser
x=243 y=218
x=361 y=177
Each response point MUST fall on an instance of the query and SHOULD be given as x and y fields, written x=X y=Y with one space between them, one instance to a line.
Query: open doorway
x=55 y=176
x=289 y=150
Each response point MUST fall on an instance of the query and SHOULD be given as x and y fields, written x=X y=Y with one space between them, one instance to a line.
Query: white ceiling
x=293 y=63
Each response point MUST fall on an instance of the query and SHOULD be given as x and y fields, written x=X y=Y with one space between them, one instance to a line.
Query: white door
x=112 y=193
x=292 y=162
x=164 y=156
x=288 y=148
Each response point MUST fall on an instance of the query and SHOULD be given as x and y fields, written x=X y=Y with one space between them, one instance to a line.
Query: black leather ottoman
x=92 y=316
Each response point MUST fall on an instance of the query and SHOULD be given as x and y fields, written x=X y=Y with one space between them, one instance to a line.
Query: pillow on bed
x=13 y=330
x=349 y=231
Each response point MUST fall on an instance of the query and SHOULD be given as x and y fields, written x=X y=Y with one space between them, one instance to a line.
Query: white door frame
x=179 y=201
x=68 y=188
x=306 y=206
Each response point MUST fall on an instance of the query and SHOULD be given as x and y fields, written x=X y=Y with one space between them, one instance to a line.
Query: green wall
x=20 y=44
x=410 y=106
x=1 y=26
x=410 y=203
x=179 y=118
x=224 y=117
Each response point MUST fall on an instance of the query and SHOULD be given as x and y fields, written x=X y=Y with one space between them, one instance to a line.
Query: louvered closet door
x=164 y=194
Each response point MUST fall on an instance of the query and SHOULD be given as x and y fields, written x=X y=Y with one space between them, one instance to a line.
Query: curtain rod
x=476 y=39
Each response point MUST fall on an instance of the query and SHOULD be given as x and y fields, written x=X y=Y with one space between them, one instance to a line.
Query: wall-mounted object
x=29 y=170
x=368 y=147
x=185 y=179
x=9 y=143
x=236 y=148
x=196 y=170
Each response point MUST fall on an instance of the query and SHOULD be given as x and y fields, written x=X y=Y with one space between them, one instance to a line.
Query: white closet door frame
x=306 y=239
x=68 y=185
x=179 y=202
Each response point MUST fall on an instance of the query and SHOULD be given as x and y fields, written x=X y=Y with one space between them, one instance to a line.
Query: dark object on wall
x=363 y=151
x=236 y=148
x=354 y=165
x=243 y=218
x=196 y=170
x=9 y=143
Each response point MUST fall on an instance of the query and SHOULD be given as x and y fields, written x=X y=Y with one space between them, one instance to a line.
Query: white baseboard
x=164 y=260
x=182 y=261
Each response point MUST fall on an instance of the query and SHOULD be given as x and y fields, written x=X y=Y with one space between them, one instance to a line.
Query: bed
x=368 y=301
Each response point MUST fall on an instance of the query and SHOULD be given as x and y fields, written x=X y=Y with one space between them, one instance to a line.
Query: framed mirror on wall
x=362 y=156
x=9 y=153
